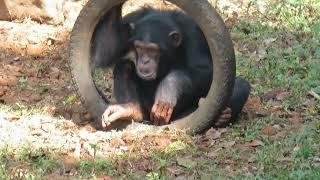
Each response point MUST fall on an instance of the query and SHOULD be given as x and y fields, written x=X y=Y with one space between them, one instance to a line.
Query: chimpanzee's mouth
x=148 y=77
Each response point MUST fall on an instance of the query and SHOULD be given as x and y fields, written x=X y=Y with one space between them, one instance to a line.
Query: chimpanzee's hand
x=161 y=113
x=115 y=112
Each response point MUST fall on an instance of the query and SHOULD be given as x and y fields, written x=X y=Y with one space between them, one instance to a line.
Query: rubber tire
x=218 y=39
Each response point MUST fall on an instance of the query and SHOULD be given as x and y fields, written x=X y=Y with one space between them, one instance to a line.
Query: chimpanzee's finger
x=105 y=116
x=201 y=101
x=155 y=119
x=227 y=110
x=120 y=114
x=169 y=114
x=225 y=116
x=104 y=125
x=158 y=114
x=163 y=114
x=153 y=110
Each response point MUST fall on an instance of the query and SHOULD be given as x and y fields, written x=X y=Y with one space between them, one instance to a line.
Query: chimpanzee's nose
x=145 y=71
x=145 y=60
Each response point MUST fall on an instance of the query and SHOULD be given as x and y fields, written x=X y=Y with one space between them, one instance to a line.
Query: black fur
x=184 y=73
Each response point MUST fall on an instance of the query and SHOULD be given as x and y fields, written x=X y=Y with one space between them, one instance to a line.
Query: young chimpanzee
x=167 y=70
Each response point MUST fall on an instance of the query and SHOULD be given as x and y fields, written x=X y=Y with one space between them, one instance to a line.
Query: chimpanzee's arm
x=109 y=39
x=125 y=89
x=126 y=94
x=170 y=90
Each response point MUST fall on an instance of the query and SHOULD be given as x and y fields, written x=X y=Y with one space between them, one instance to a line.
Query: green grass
x=91 y=168
x=280 y=49
x=292 y=158
x=276 y=49
x=26 y=164
x=20 y=110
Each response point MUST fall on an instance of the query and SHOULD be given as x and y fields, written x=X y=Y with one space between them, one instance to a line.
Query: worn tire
x=218 y=39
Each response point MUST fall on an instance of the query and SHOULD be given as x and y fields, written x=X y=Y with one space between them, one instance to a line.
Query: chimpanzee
x=167 y=68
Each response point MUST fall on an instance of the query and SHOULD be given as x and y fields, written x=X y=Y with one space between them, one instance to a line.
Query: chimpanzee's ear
x=129 y=28
x=132 y=26
x=175 y=38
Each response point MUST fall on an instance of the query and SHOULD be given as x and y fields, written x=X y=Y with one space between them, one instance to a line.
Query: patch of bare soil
x=34 y=73
x=60 y=135
x=33 y=67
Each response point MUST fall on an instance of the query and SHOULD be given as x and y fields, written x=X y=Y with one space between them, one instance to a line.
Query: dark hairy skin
x=109 y=39
x=165 y=70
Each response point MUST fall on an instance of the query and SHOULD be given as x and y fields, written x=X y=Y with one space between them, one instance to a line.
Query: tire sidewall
x=219 y=42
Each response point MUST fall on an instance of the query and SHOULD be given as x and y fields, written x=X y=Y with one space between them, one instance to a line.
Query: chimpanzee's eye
x=138 y=48
x=152 y=51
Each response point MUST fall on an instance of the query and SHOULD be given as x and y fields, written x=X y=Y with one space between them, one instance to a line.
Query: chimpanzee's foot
x=236 y=102
x=224 y=119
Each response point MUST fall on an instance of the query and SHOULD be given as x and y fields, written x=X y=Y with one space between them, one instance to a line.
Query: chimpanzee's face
x=152 y=43
x=148 y=58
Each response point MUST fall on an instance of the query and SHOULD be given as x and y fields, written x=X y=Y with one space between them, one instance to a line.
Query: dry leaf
x=214 y=154
x=12 y=119
x=228 y=145
x=269 y=130
x=13 y=70
x=174 y=170
x=104 y=178
x=186 y=162
x=3 y=90
x=162 y=142
x=281 y=96
x=7 y=80
x=255 y=143
x=213 y=134
x=253 y=104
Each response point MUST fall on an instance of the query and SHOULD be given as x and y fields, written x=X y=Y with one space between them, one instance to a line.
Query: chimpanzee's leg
x=128 y=105
x=238 y=99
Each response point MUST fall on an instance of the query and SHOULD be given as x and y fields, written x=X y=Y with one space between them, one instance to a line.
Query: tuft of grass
x=276 y=49
x=91 y=168
x=279 y=49
x=21 y=110
x=293 y=157
x=71 y=99
x=26 y=163
x=22 y=83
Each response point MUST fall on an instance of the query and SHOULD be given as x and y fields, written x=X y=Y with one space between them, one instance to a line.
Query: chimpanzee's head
x=154 y=40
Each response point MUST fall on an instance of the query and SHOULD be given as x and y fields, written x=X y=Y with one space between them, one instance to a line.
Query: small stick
x=314 y=94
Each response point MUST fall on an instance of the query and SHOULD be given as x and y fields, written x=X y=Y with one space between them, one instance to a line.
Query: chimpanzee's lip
x=150 y=76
